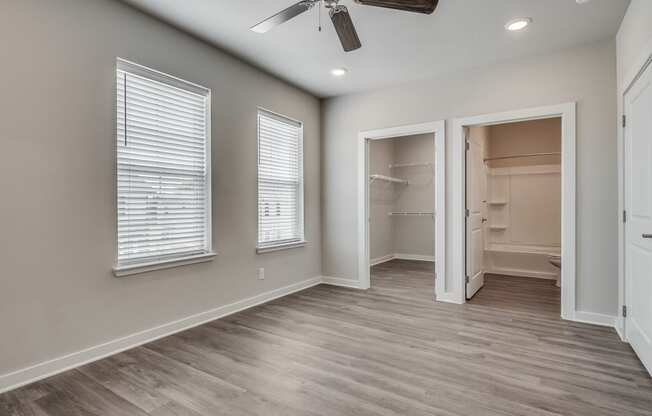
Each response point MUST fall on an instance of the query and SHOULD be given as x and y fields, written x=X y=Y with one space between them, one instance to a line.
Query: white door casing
x=456 y=194
x=438 y=129
x=475 y=204
x=638 y=227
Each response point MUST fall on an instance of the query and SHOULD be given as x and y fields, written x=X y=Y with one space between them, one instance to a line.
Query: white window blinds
x=280 y=180
x=163 y=142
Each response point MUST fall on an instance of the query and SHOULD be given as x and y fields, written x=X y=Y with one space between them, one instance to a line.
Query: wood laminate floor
x=390 y=350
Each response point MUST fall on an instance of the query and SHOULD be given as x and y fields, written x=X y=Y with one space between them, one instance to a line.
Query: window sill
x=127 y=270
x=278 y=247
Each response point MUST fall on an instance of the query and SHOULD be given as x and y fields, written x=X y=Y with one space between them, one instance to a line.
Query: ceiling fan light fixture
x=517 y=24
x=339 y=72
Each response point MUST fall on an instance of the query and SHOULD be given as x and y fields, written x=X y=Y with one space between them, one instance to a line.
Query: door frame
x=438 y=129
x=567 y=113
x=643 y=62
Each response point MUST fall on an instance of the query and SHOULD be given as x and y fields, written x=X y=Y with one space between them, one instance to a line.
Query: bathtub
x=524 y=261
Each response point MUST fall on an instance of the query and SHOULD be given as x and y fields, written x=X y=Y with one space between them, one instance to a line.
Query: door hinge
x=468 y=279
x=624 y=120
x=624 y=216
x=624 y=311
x=467 y=213
x=468 y=146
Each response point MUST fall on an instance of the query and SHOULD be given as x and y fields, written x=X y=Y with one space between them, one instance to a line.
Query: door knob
x=485 y=220
x=647 y=235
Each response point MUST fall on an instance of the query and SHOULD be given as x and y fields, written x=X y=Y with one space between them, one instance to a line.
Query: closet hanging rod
x=523 y=155
x=387 y=179
x=418 y=214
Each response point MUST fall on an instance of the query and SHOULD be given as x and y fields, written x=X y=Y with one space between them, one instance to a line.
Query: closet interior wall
x=402 y=213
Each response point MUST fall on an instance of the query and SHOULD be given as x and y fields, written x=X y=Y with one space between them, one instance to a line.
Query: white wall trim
x=438 y=128
x=400 y=256
x=595 y=318
x=58 y=365
x=416 y=257
x=381 y=260
x=619 y=325
x=568 y=163
x=338 y=281
x=537 y=274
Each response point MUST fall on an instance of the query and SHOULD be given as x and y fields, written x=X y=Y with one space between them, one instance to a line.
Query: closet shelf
x=409 y=165
x=414 y=214
x=387 y=179
x=522 y=155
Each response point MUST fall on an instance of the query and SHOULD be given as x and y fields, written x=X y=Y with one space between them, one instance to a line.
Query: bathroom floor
x=520 y=294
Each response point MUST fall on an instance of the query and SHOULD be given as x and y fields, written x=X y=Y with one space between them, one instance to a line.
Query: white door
x=638 y=228
x=475 y=205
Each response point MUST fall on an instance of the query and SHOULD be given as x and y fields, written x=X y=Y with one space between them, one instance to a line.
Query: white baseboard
x=58 y=365
x=338 y=281
x=49 y=368
x=448 y=297
x=400 y=256
x=418 y=257
x=382 y=259
x=620 y=328
x=595 y=318
x=523 y=273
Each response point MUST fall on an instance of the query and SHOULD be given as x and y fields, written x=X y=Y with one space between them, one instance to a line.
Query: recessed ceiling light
x=518 y=24
x=339 y=72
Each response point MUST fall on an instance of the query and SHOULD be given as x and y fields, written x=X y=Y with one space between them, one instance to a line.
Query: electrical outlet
x=261 y=273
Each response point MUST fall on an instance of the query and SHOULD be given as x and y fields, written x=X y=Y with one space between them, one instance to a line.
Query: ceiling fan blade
x=283 y=16
x=344 y=28
x=417 y=6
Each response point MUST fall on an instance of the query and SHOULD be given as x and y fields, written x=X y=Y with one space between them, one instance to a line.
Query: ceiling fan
x=340 y=17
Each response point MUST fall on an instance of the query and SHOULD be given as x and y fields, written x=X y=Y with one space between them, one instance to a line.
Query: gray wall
x=381 y=199
x=401 y=235
x=58 y=215
x=533 y=136
x=586 y=74
x=415 y=235
x=634 y=37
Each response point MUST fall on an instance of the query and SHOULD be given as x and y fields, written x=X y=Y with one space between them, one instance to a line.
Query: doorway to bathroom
x=513 y=211
x=517 y=216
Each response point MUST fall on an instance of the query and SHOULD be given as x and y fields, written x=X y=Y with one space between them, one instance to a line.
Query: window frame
x=277 y=245
x=150 y=264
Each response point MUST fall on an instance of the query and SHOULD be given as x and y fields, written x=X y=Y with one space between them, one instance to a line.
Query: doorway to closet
x=401 y=174
x=513 y=213
x=402 y=213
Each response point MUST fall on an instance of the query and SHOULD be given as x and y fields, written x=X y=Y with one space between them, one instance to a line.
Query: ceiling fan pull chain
x=319 y=14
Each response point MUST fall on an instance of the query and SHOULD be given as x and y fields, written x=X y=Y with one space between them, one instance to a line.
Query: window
x=280 y=182
x=163 y=146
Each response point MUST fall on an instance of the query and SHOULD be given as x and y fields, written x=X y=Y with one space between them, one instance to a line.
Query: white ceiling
x=397 y=46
